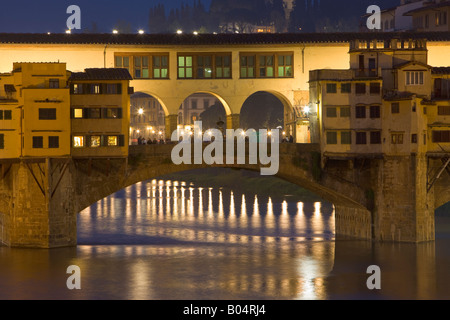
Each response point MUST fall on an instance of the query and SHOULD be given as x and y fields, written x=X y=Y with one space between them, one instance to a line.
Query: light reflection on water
x=170 y=240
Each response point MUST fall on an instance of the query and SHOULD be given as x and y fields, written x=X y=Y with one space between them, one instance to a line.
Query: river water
x=169 y=240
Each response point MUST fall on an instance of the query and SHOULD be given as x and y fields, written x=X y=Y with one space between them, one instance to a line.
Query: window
x=346 y=137
x=444 y=110
x=95 y=141
x=2 y=141
x=375 y=88
x=375 y=137
x=123 y=62
x=204 y=67
x=47 y=114
x=38 y=142
x=360 y=112
x=5 y=115
x=194 y=104
x=54 y=83
x=247 y=66
x=53 y=142
x=414 y=138
x=395 y=107
x=331 y=137
x=112 y=141
x=361 y=138
x=346 y=88
x=331 y=88
x=78 y=141
x=345 y=112
x=141 y=67
x=112 y=113
x=95 y=89
x=77 y=113
x=360 y=88
x=185 y=67
x=441 y=18
x=113 y=88
x=93 y=113
x=266 y=64
x=77 y=88
x=441 y=136
x=285 y=66
x=331 y=112
x=223 y=66
x=414 y=77
x=160 y=67
x=374 y=112
x=397 y=138
x=427 y=21
x=273 y=65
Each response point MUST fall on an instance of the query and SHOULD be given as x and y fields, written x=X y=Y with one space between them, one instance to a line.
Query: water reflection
x=171 y=240
x=254 y=245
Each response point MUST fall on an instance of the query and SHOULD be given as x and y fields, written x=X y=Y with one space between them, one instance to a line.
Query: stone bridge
x=387 y=199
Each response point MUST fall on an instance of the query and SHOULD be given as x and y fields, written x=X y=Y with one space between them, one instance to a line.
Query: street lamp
x=179 y=31
x=115 y=31
x=141 y=111
x=141 y=31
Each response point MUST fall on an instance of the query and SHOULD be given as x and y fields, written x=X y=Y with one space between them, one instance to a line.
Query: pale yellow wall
x=32 y=126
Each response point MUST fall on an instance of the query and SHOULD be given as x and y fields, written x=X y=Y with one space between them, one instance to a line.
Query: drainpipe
x=104 y=57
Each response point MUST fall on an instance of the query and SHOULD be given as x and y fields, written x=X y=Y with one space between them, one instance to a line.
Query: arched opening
x=147 y=119
x=442 y=221
x=271 y=110
x=206 y=107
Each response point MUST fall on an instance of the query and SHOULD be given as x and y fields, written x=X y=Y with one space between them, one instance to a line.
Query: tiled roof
x=102 y=74
x=214 y=39
x=407 y=63
x=440 y=70
x=429 y=7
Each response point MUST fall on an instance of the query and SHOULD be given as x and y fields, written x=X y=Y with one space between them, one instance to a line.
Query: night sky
x=50 y=15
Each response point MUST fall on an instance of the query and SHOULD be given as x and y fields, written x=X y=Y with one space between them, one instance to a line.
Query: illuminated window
x=414 y=77
x=95 y=141
x=113 y=141
x=185 y=66
x=247 y=66
x=223 y=66
x=161 y=67
x=78 y=141
x=77 y=88
x=78 y=113
x=113 y=113
x=285 y=66
x=397 y=138
x=141 y=67
x=95 y=89
x=266 y=66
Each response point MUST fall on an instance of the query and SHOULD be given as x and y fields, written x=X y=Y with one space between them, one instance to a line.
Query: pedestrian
x=139 y=140
x=291 y=139
x=144 y=141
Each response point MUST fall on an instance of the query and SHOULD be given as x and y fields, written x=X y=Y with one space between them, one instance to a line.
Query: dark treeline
x=306 y=16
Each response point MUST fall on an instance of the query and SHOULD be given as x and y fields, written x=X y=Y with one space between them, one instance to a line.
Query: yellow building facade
x=35 y=111
x=390 y=102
